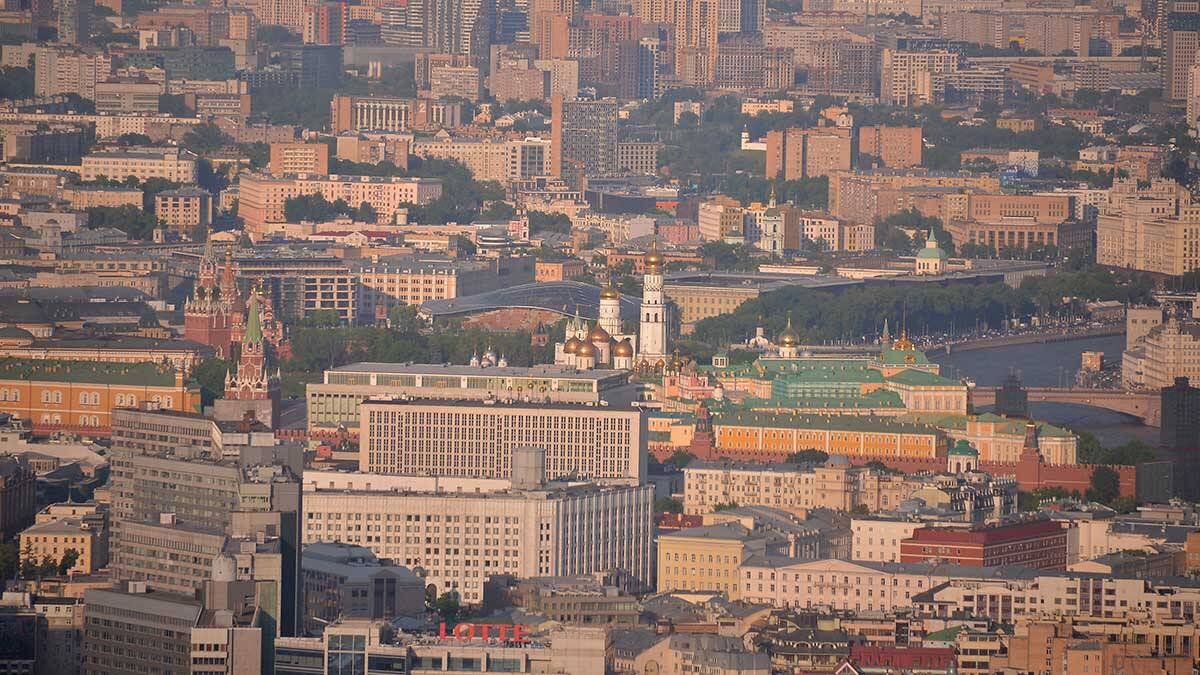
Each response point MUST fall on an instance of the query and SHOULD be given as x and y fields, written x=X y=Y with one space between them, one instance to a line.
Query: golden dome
x=904 y=344
x=598 y=334
x=788 y=337
x=653 y=259
x=623 y=348
x=586 y=349
x=609 y=293
x=572 y=346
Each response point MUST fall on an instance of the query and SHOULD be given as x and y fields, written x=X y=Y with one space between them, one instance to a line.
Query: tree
x=680 y=459
x=9 y=560
x=134 y=139
x=404 y=319
x=724 y=506
x=548 y=222
x=210 y=374
x=173 y=104
x=807 y=457
x=860 y=510
x=314 y=207
x=16 y=83
x=448 y=606
x=129 y=219
x=668 y=505
x=1106 y=485
x=365 y=213
x=259 y=154
x=205 y=138
x=70 y=557
x=276 y=35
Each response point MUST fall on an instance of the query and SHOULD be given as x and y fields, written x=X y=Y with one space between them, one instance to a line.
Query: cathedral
x=605 y=345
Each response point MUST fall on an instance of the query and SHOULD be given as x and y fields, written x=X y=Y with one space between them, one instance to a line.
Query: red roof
x=901 y=657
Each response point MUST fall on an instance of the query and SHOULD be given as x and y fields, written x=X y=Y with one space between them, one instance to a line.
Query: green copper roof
x=88 y=372
x=900 y=357
x=963 y=447
x=922 y=378
x=253 y=322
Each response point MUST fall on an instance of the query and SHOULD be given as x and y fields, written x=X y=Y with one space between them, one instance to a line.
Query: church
x=606 y=345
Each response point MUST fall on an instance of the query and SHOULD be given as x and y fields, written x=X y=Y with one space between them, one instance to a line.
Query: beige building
x=1154 y=229
x=84 y=197
x=491 y=159
x=878 y=539
x=1055 y=649
x=262 y=198
x=895 y=147
x=184 y=209
x=640 y=157
x=834 y=485
x=460 y=539
x=128 y=95
x=706 y=558
x=289 y=158
x=174 y=164
x=389 y=283
x=1167 y=351
x=65 y=70
x=59 y=528
x=907 y=77
x=479 y=439
x=334 y=402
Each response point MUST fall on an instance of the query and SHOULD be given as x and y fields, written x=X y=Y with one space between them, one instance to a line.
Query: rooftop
x=92 y=372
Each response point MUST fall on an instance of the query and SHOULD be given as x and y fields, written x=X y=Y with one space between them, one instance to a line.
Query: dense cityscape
x=599 y=337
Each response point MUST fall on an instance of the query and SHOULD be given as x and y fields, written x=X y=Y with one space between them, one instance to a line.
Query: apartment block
x=393 y=282
x=1039 y=544
x=503 y=161
x=895 y=147
x=293 y=158
x=907 y=77
x=807 y=153
x=81 y=527
x=173 y=164
x=184 y=209
x=479 y=439
x=128 y=95
x=262 y=197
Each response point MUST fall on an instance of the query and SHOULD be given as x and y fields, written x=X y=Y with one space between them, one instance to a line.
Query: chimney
x=167 y=519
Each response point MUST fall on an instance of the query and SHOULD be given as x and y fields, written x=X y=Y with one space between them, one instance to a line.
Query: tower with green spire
x=254 y=381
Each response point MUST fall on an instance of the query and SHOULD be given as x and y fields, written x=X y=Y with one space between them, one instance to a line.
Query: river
x=1052 y=365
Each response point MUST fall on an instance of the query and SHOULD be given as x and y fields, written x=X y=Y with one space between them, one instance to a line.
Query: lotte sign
x=483 y=631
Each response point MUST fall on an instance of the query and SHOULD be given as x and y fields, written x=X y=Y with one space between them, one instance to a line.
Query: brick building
x=1039 y=544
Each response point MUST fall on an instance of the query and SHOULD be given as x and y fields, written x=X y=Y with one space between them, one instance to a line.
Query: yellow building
x=772 y=435
x=63 y=527
x=706 y=558
x=81 y=395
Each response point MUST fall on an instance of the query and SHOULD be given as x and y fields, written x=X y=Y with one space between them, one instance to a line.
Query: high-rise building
x=907 y=77
x=458 y=26
x=1180 y=415
x=696 y=30
x=75 y=21
x=18 y=496
x=243 y=500
x=805 y=153
x=583 y=136
x=1182 y=46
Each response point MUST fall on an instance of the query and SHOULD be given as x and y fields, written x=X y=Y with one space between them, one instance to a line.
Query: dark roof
x=565 y=297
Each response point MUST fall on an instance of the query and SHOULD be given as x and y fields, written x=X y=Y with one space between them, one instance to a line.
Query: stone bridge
x=1146 y=406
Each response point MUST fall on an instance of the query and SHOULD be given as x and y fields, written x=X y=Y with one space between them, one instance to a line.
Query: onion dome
x=572 y=346
x=789 y=338
x=653 y=259
x=609 y=293
x=623 y=348
x=586 y=349
x=598 y=334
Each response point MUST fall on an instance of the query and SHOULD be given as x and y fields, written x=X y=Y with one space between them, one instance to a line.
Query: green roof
x=90 y=372
x=922 y=378
x=1011 y=425
x=927 y=253
x=899 y=357
x=253 y=322
x=963 y=447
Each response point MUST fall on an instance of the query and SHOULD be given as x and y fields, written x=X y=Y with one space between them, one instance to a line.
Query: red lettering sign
x=483 y=631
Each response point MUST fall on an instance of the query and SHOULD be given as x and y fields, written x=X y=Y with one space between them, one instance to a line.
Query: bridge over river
x=1146 y=406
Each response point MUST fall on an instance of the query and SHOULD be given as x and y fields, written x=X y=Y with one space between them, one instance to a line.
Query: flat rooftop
x=539 y=371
